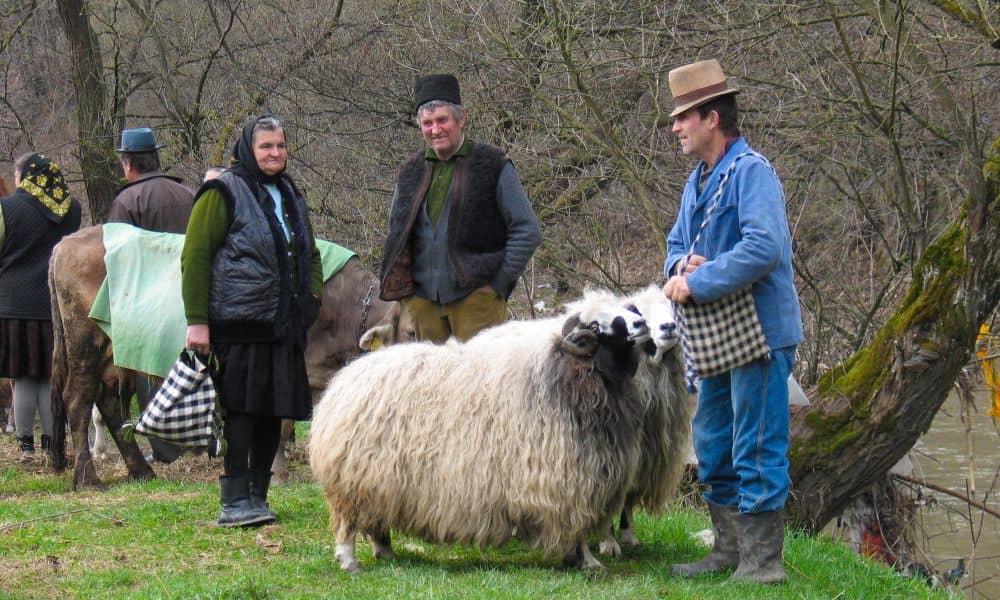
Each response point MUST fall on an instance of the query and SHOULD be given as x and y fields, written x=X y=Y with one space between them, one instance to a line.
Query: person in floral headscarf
x=32 y=221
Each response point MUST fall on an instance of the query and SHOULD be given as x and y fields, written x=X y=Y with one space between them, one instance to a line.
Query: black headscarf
x=245 y=162
x=42 y=179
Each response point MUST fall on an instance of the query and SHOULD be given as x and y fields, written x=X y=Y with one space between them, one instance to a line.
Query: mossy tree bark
x=869 y=411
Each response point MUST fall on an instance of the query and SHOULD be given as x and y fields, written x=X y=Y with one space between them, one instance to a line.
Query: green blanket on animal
x=139 y=305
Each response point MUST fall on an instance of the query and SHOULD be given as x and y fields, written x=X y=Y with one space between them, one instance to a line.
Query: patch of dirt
x=187 y=468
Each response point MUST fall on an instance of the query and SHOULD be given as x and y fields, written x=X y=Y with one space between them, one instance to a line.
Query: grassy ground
x=157 y=539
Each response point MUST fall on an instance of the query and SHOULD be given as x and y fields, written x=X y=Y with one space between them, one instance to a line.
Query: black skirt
x=264 y=379
x=25 y=348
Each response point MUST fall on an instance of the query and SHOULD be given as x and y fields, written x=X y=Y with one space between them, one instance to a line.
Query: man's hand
x=197 y=339
x=692 y=264
x=676 y=289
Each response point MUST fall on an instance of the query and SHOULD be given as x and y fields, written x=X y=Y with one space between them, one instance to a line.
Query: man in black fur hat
x=461 y=228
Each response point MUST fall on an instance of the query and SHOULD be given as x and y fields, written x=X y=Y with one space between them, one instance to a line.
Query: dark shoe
x=761 y=537
x=259 y=483
x=236 y=508
x=27 y=447
x=725 y=553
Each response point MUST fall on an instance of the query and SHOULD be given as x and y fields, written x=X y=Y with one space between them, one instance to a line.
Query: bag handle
x=715 y=204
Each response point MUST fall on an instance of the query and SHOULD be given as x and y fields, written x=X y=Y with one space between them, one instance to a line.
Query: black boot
x=27 y=447
x=236 y=509
x=259 y=483
x=725 y=553
x=761 y=537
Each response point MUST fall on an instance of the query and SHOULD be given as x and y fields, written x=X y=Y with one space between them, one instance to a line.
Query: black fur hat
x=435 y=87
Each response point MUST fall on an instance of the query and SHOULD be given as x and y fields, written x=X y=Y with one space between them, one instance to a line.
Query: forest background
x=881 y=118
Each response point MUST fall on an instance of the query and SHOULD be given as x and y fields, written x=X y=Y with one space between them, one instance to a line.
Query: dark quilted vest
x=251 y=291
x=29 y=238
x=477 y=234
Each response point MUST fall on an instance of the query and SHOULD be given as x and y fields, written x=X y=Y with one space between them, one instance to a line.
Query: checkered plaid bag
x=185 y=409
x=724 y=334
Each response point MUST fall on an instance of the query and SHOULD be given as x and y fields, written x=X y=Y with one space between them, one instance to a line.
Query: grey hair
x=266 y=123
x=457 y=110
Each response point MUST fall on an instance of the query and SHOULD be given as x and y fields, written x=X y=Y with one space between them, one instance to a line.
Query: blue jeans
x=741 y=434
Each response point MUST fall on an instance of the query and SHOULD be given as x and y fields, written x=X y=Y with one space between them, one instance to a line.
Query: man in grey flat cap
x=151 y=199
x=461 y=228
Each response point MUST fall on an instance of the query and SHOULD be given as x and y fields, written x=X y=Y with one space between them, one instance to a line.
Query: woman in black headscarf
x=251 y=283
x=32 y=221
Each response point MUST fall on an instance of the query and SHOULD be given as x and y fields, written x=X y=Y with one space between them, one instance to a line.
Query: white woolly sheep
x=530 y=435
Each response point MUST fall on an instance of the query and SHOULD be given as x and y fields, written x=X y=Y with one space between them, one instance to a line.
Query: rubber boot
x=761 y=537
x=725 y=553
x=235 y=499
x=259 y=483
x=27 y=447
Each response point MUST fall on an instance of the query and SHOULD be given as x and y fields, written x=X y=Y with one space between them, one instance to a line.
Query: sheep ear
x=580 y=342
x=571 y=323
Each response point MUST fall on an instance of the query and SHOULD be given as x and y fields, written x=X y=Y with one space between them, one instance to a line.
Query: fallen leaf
x=271 y=546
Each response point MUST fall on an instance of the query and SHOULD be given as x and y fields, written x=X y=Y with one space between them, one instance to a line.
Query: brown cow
x=82 y=369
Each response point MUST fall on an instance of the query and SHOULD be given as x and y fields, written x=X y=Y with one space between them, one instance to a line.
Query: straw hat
x=697 y=83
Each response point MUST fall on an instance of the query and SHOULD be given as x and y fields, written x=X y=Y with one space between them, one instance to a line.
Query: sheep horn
x=580 y=342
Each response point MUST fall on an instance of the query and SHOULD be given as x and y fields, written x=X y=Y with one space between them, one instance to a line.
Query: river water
x=940 y=457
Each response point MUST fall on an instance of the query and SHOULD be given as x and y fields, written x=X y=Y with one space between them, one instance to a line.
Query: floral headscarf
x=42 y=179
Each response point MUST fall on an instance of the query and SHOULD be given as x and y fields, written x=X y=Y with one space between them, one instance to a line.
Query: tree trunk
x=95 y=126
x=869 y=411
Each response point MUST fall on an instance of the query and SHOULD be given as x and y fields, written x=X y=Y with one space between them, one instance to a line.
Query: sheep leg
x=609 y=545
x=381 y=543
x=626 y=528
x=581 y=558
x=346 y=534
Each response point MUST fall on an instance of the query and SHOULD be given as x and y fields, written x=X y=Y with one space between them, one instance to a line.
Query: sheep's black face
x=616 y=358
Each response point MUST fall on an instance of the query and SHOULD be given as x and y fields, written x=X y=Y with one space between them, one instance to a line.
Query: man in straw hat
x=740 y=428
x=461 y=229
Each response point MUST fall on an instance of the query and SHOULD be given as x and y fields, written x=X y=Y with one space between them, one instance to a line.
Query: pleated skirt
x=26 y=348
x=264 y=379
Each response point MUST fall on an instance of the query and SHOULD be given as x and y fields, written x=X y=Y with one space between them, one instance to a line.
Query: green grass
x=157 y=540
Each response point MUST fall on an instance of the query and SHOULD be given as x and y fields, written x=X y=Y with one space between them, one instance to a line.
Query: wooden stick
x=14 y=526
x=944 y=490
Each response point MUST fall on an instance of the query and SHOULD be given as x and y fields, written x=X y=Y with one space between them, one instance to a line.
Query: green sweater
x=206 y=232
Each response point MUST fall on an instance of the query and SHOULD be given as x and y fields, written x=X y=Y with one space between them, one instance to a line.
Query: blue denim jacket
x=746 y=242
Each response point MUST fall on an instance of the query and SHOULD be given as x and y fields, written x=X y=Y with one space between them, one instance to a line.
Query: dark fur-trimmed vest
x=477 y=234
x=29 y=237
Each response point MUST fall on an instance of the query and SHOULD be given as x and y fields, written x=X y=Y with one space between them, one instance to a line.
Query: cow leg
x=278 y=468
x=84 y=473
x=113 y=412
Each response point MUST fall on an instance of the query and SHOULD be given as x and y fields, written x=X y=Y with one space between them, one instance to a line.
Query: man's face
x=270 y=151
x=441 y=130
x=693 y=131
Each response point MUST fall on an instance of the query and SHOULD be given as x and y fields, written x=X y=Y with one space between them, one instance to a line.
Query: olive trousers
x=463 y=318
